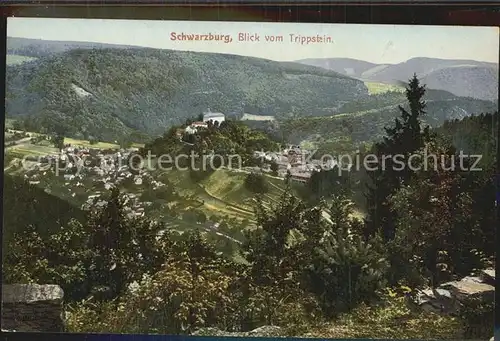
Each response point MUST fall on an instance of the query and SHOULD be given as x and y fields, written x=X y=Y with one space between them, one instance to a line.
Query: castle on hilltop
x=213 y=116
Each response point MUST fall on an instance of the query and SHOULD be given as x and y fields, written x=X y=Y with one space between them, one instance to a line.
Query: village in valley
x=84 y=172
x=292 y=160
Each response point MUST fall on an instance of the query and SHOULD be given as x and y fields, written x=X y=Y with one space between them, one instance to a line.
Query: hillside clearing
x=14 y=59
x=379 y=88
x=251 y=117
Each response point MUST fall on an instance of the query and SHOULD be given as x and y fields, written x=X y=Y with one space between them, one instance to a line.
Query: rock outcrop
x=449 y=297
x=264 y=331
x=32 y=308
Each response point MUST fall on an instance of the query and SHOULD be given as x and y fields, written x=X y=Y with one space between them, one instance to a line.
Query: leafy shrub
x=478 y=318
x=256 y=183
x=347 y=271
x=274 y=168
x=190 y=292
x=391 y=318
x=106 y=250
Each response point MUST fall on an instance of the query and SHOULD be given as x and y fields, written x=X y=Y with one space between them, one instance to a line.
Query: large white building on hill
x=214 y=116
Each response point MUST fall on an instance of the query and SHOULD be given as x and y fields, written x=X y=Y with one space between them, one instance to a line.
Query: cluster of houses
x=294 y=162
x=89 y=172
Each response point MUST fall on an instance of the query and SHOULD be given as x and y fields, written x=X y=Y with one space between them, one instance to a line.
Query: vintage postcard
x=250 y=179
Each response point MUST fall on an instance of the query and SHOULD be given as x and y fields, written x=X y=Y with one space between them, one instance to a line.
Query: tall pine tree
x=404 y=138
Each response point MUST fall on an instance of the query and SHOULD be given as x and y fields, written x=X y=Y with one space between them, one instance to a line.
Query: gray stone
x=430 y=308
x=445 y=301
x=442 y=294
x=29 y=293
x=472 y=279
x=436 y=300
x=465 y=289
x=428 y=293
x=488 y=276
x=266 y=331
x=449 y=298
x=424 y=296
x=32 y=308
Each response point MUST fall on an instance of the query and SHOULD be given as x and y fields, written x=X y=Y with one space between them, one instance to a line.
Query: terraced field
x=223 y=192
x=32 y=150
x=98 y=145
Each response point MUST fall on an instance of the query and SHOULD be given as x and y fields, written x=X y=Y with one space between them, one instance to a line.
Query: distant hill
x=467 y=78
x=37 y=48
x=469 y=81
x=346 y=66
x=91 y=90
x=421 y=66
x=107 y=92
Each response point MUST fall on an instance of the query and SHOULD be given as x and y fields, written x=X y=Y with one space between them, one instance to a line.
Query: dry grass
x=87 y=144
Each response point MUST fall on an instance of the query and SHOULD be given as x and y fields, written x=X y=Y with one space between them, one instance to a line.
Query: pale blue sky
x=373 y=43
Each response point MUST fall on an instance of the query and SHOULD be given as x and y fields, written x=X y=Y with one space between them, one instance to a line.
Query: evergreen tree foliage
x=346 y=269
x=256 y=183
x=405 y=137
x=99 y=255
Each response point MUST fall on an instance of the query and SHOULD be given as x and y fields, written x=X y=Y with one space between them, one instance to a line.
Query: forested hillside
x=105 y=93
x=476 y=135
x=469 y=80
x=110 y=92
x=364 y=120
x=36 y=48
